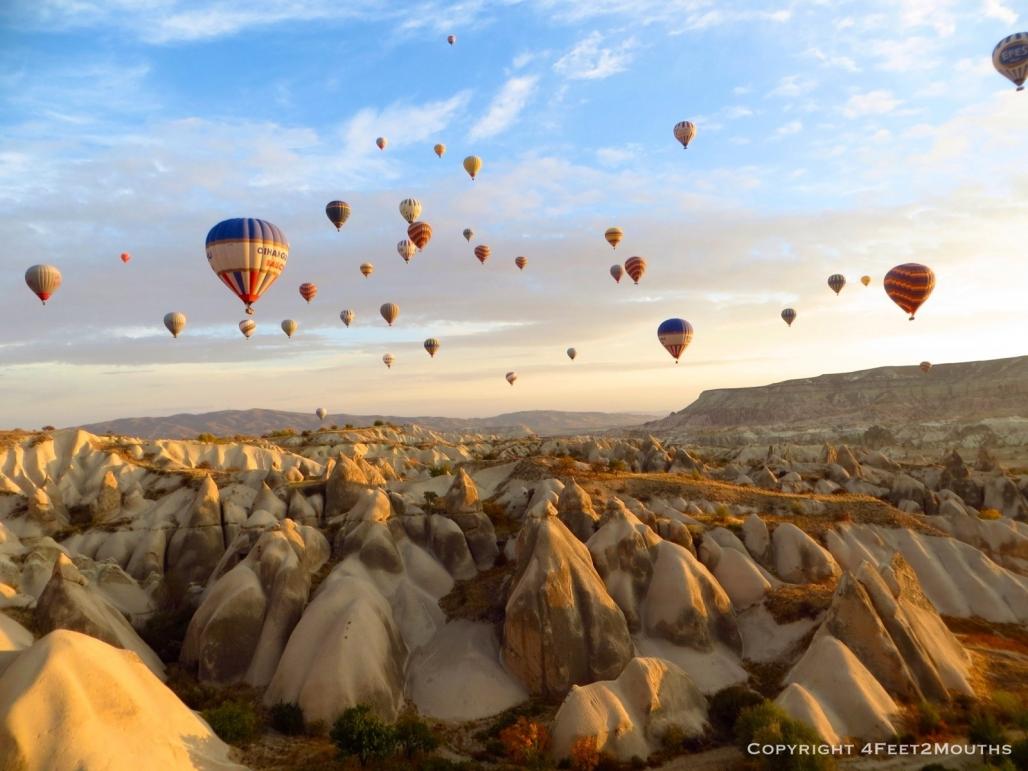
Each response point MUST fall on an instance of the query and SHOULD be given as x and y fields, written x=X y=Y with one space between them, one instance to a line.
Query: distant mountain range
x=257 y=421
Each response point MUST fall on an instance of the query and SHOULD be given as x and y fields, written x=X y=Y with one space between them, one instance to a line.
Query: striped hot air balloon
x=406 y=249
x=367 y=269
x=420 y=233
x=511 y=377
x=432 y=345
x=289 y=327
x=472 y=165
x=247 y=255
x=614 y=236
x=440 y=150
x=909 y=285
x=125 y=256
x=175 y=322
x=675 y=335
x=788 y=316
x=521 y=262
x=635 y=267
x=925 y=366
x=836 y=281
x=389 y=312
x=616 y=272
x=572 y=353
x=482 y=252
x=410 y=209
x=381 y=142
x=388 y=360
x=468 y=234
x=43 y=280
x=321 y=412
x=684 y=132
x=338 y=213
x=1010 y=58
x=247 y=326
x=347 y=316
x=308 y=290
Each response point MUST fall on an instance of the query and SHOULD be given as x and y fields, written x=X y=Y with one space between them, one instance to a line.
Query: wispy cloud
x=505 y=107
x=792 y=127
x=793 y=85
x=995 y=9
x=833 y=60
x=589 y=59
x=877 y=102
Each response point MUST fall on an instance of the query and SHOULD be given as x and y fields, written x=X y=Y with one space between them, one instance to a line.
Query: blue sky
x=832 y=137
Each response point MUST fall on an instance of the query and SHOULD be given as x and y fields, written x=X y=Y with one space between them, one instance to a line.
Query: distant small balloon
x=675 y=335
x=635 y=267
x=468 y=234
x=616 y=271
x=289 y=327
x=308 y=290
x=247 y=326
x=43 y=280
x=472 y=165
x=836 y=282
x=521 y=262
x=367 y=269
x=406 y=249
x=788 y=316
x=338 y=212
x=125 y=256
x=389 y=312
x=451 y=39
x=410 y=209
x=482 y=252
x=614 y=236
x=381 y=142
x=175 y=322
x=321 y=412
x=572 y=353
x=432 y=345
x=511 y=377
x=347 y=316
x=440 y=150
x=925 y=366
x=420 y=233
x=684 y=132
x=1010 y=58
x=865 y=280
x=388 y=360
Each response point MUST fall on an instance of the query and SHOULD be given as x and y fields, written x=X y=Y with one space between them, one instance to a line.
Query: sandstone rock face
x=575 y=509
x=344 y=487
x=195 y=548
x=629 y=716
x=463 y=506
x=561 y=627
x=1000 y=493
x=798 y=558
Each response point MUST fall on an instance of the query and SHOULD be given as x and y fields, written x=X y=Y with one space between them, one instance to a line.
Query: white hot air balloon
x=410 y=209
x=321 y=412
x=247 y=326
x=388 y=360
x=43 y=280
x=175 y=322
x=289 y=327
x=347 y=316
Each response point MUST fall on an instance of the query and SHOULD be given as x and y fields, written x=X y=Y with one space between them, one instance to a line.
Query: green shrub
x=722 y=512
x=359 y=733
x=767 y=723
x=927 y=718
x=438 y=471
x=727 y=704
x=165 y=630
x=1010 y=709
x=414 y=737
x=287 y=718
x=348 y=425
x=1019 y=756
x=206 y=437
x=984 y=728
x=379 y=423
x=618 y=465
x=235 y=722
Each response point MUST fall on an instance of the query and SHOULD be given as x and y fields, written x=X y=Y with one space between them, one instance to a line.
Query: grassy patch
x=481 y=598
x=795 y=602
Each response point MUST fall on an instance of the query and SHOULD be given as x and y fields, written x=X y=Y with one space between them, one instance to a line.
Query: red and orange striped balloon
x=308 y=290
x=635 y=267
x=521 y=262
x=420 y=233
x=909 y=285
x=482 y=252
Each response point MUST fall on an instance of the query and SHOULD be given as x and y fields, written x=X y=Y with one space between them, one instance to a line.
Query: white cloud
x=995 y=9
x=792 y=127
x=590 y=60
x=877 y=102
x=402 y=124
x=505 y=107
x=834 y=60
x=793 y=85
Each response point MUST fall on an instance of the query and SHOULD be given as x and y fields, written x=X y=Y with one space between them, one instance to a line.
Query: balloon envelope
x=247 y=255
x=865 y=280
x=440 y=150
x=125 y=256
x=836 y=282
x=451 y=39
x=521 y=262
x=410 y=209
x=247 y=326
x=432 y=345
x=321 y=412
x=43 y=280
x=420 y=233
x=389 y=312
x=308 y=291
x=1010 y=58
x=482 y=252
x=338 y=212
x=684 y=132
x=347 y=316
x=175 y=322
x=788 y=316
x=388 y=360
x=572 y=353
x=406 y=249
x=367 y=269
x=511 y=377
x=381 y=142
x=925 y=366
x=289 y=326
x=675 y=335
x=635 y=267
x=468 y=234
x=909 y=285
x=614 y=236
x=617 y=272
x=472 y=165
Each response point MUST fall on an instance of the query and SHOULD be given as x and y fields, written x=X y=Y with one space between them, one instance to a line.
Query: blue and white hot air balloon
x=675 y=335
x=247 y=255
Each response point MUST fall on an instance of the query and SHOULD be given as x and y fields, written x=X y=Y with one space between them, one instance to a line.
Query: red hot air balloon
x=521 y=262
x=635 y=267
x=125 y=256
x=909 y=285
x=308 y=290
x=420 y=233
x=482 y=252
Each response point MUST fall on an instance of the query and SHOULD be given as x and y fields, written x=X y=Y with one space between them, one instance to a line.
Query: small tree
x=359 y=733
x=767 y=723
x=584 y=754
x=287 y=718
x=525 y=742
x=413 y=736
x=234 y=721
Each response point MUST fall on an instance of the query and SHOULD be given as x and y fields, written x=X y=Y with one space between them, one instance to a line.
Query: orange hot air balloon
x=482 y=252
x=389 y=312
x=635 y=267
x=367 y=269
x=521 y=262
x=472 y=165
x=614 y=236
x=616 y=272
x=420 y=233
x=865 y=280
x=381 y=142
x=125 y=256
x=43 y=280
x=925 y=366
x=308 y=290
x=909 y=285
x=440 y=149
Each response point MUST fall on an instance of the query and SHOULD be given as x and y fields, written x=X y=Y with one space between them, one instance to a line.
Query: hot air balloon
x=125 y=256
x=381 y=142
x=468 y=234
x=521 y=262
x=389 y=312
x=836 y=281
x=482 y=252
x=321 y=412
x=925 y=366
x=289 y=326
x=472 y=165
x=865 y=280
x=1010 y=58
x=684 y=132
x=511 y=377
x=410 y=209
x=247 y=326
x=440 y=150
x=175 y=322
x=909 y=285
x=367 y=269
x=635 y=267
x=338 y=212
x=572 y=353
x=406 y=249
x=614 y=236
x=308 y=290
x=788 y=316
x=388 y=360
x=44 y=280
x=347 y=316
x=247 y=255
x=420 y=233
x=675 y=335
x=451 y=39
x=432 y=345
x=617 y=272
